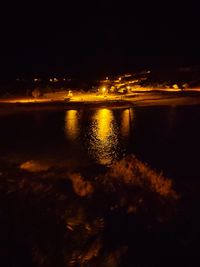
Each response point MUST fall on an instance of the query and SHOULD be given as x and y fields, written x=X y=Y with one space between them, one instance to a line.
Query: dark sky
x=97 y=39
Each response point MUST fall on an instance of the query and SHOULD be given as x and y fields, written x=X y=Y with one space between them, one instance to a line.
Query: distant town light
x=175 y=86
x=70 y=94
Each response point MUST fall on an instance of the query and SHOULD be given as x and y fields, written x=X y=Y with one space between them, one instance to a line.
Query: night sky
x=97 y=39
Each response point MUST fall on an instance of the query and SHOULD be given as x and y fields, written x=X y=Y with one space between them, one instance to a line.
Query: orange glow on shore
x=26 y=100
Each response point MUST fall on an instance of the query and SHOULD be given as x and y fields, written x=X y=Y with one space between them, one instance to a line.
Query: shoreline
x=131 y=101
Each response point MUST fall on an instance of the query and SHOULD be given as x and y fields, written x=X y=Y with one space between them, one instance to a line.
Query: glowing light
x=51 y=80
x=125 y=123
x=70 y=94
x=104 y=119
x=34 y=166
x=26 y=100
x=71 y=124
x=104 y=142
x=104 y=89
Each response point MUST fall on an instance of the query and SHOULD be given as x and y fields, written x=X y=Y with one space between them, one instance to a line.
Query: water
x=167 y=138
x=52 y=216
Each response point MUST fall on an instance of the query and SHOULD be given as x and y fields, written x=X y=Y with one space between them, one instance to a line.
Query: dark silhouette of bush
x=63 y=219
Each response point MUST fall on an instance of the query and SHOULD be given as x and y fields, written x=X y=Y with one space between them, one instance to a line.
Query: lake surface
x=46 y=217
x=167 y=138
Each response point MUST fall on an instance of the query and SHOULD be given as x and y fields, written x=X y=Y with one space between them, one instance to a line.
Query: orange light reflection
x=104 y=139
x=71 y=124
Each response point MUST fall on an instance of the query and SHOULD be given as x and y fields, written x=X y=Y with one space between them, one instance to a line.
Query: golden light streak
x=125 y=123
x=27 y=100
x=103 y=136
x=71 y=124
x=104 y=118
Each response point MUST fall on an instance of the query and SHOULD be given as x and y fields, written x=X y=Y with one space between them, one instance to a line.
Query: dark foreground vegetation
x=128 y=215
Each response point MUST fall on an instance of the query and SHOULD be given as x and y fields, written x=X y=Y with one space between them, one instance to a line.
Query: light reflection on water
x=102 y=133
x=83 y=137
x=125 y=123
x=71 y=124
x=103 y=137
